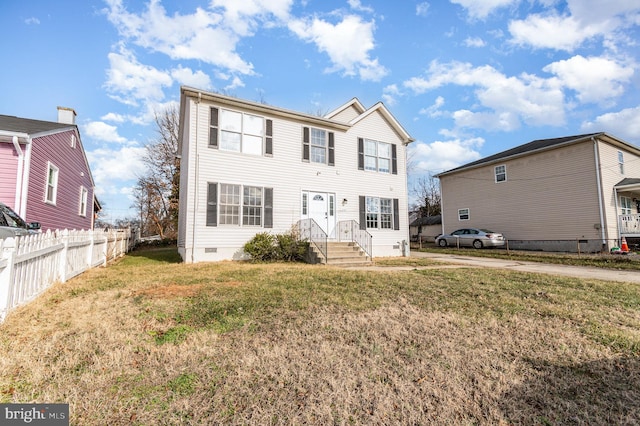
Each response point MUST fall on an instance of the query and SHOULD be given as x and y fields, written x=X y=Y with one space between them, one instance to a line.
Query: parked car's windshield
x=10 y=218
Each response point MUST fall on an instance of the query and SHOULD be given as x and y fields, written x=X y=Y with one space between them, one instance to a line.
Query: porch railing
x=629 y=224
x=310 y=230
x=349 y=230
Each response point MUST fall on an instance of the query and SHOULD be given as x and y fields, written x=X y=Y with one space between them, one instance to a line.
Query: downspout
x=195 y=195
x=26 y=172
x=19 y=176
x=599 y=184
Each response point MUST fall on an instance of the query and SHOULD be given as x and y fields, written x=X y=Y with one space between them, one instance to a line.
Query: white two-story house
x=248 y=168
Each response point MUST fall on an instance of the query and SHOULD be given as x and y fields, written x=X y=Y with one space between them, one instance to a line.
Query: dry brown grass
x=150 y=341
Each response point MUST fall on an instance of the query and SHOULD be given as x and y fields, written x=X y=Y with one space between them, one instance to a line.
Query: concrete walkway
x=461 y=261
x=535 y=267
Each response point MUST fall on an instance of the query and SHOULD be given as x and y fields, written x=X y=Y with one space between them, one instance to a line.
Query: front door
x=321 y=207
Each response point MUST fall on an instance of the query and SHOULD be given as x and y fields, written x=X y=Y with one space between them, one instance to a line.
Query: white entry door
x=321 y=207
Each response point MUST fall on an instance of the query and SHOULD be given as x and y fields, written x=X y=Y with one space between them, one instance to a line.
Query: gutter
x=599 y=184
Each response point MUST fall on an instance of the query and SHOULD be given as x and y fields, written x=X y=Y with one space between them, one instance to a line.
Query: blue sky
x=466 y=78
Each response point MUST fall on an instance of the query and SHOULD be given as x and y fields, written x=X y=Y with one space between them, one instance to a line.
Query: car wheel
x=442 y=242
x=477 y=244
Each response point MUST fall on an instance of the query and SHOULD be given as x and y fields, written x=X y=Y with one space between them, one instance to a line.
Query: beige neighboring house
x=564 y=194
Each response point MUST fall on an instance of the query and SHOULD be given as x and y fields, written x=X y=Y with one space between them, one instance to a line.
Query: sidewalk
x=535 y=267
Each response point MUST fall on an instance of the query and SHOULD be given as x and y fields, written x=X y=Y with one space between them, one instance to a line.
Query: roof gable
x=395 y=125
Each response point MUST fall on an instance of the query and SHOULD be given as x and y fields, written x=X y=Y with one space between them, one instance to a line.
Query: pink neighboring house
x=44 y=172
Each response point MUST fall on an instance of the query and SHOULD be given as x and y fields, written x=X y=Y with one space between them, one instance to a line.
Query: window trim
x=49 y=185
x=216 y=130
x=390 y=223
x=621 y=162
x=377 y=156
x=627 y=201
x=500 y=173
x=215 y=206
x=464 y=216
x=84 y=198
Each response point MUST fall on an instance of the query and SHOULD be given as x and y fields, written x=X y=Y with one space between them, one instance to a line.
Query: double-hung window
x=51 y=192
x=621 y=162
x=83 y=201
x=318 y=146
x=377 y=156
x=501 y=173
x=380 y=213
x=240 y=132
x=240 y=205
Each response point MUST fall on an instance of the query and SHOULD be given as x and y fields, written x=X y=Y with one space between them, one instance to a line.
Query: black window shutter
x=363 y=212
x=396 y=215
x=394 y=160
x=305 y=143
x=269 y=139
x=212 y=204
x=268 y=207
x=360 y=154
x=332 y=155
x=213 y=128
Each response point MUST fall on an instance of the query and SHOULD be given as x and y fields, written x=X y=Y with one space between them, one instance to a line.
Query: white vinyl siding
x=288 y=173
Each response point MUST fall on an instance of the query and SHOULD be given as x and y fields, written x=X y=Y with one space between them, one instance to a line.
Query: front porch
x=629 y=225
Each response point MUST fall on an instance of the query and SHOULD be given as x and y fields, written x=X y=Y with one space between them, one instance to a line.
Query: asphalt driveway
x=535 y=267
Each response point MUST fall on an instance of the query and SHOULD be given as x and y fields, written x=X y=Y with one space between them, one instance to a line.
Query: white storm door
x=322 y=209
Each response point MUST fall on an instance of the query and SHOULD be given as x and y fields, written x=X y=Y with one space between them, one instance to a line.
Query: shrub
x=287 y=247
x=262 y=247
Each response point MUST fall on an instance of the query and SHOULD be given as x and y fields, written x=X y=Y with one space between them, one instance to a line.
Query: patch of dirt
x=170 y=291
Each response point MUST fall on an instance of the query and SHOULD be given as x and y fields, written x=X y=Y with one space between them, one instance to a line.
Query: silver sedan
x=471 y=237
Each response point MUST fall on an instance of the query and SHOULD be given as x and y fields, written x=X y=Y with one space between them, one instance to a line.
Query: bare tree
x=157 y=193
x=427 y=193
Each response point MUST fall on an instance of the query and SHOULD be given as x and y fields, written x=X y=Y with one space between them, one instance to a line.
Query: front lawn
x=152 y=341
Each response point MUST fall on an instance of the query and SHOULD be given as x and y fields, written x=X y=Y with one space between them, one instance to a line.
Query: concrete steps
x=343 y=254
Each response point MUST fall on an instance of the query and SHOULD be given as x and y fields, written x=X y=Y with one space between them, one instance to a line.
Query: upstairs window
x=83 y=201
x=240 y=132
x=501 y=173
x=52 y=184
x=377 y=156
x=621 y=162
x=318 y=146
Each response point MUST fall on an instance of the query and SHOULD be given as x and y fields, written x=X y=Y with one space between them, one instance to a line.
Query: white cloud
x=474 y=42
x=243 y=17
x=584 y=20
x=422 y=9
x=186 y=76
x=552 y=32
x=481 y=9
x=347 y=43
x=624 y=124
x=32 y=21
x=595 y=79
x=357 y=5
x=390 y=93
x=111 y=167
x=114 y=117
x=438 y=156
x=129 y=81
x=433 y=111
x=509 y=100
x=102 y=132
x=203 y=35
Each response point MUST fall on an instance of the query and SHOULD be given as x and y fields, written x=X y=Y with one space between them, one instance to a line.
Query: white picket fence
x=29 y=265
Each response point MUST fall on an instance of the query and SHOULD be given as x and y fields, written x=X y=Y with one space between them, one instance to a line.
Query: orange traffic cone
x=624 y=247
